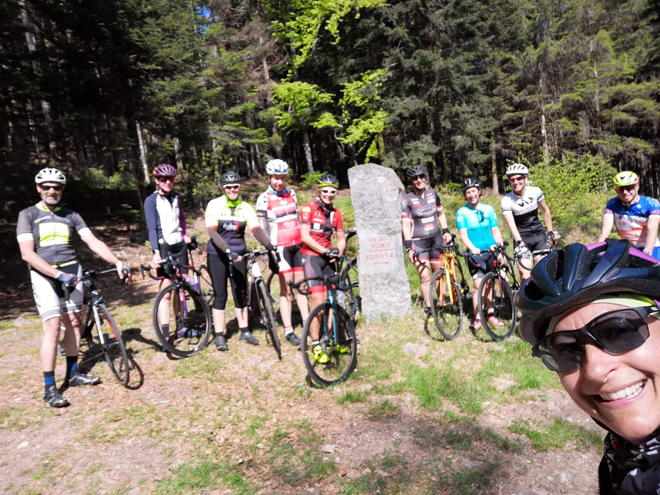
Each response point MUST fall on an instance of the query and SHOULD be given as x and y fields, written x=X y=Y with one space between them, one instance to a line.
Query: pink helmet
x=164 y=170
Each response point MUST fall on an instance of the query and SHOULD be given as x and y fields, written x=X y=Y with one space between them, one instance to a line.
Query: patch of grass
x=432 y=384
x=352 y=397
x=205 y=364
x=192 y=477
x=94 y=468
x=256 y=423
x=469 y=481
x=389 y=474
x=390 y=388
x=556 y=435
x=19 y=418
x=383 y=410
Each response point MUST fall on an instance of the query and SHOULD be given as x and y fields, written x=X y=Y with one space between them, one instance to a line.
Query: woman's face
x=622 y=392
x=277 y=182
x=327 y=194
x=232 y=191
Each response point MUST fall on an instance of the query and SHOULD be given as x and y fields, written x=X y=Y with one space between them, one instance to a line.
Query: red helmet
x=164 y=170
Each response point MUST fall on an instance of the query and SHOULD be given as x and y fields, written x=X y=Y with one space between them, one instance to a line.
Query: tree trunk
x=493 y=167
x=177 y=155
x=308 y=152
x=143 y=152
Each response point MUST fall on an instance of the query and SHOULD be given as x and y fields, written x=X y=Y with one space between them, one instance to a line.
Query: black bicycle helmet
x=468 y=183
x=328 y=180
x=576 y=275
x=230 y=177
x=416 y=171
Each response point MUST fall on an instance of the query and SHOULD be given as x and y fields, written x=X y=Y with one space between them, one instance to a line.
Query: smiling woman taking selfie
x=592 y=315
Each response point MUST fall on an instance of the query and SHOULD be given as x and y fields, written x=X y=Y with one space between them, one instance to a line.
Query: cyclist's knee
x=51 y=329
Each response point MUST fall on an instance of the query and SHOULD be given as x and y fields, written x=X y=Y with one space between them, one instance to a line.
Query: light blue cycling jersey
x=478 y=222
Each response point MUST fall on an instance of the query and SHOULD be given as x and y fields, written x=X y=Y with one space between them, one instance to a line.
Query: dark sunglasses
x=616 y=332
x=625 y=188
x=418 y=177
x=54 y=188
x=517 y=179
x=231 y=188
x=165 y=179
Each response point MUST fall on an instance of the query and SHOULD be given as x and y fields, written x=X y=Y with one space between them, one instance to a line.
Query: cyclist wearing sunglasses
x=166 y=225
x=226 y=220
x=636 y=217
x=277 y=209
x=45 y=232
x=592 y=315
x=478 y=230
x=424 y=226
x=319 y=220
x=521 y=212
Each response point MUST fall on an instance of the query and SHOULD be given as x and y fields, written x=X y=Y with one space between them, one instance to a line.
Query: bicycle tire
x=341 y=364
x=205 y=284
x=502 y=305
x=526 y=262
x=269 y=281
x=351 y=300
x=193 y=322
x=448 y=316
x=268 y=317
x=112 y=348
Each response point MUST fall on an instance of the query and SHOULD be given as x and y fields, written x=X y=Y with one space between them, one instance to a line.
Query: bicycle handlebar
x=330 y=281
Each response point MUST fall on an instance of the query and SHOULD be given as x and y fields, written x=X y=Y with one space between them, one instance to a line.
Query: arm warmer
x=261 y=236
x=150 y=215
x=218 y=241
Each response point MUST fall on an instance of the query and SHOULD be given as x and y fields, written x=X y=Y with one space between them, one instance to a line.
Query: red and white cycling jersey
x=281 y=213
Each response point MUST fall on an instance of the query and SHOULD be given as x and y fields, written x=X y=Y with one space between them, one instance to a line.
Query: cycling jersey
x=280 y=212
x=51 y=232
x=478 y=222
x=166 y=222
x=230 y=222
x=632 y=222
x=525 y=210
x=322 y=226
x=422 y=211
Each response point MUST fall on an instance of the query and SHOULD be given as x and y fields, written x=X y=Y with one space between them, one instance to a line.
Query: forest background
x=106 y=90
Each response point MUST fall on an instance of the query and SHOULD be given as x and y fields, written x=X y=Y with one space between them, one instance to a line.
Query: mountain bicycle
x=495 y=288
x=336 y=335
x=259 y=300
x=100 y=332
x=446 y=291
x=189 y=311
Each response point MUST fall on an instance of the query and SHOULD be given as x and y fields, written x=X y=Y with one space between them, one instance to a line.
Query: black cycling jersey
x=525 y=210
x=422 y=210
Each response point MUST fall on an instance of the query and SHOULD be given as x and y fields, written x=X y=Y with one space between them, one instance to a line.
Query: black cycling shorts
x=290 y=260
x=420 y=245
x=178 y=251
x=317 y=266
x=537 y=242
x=479 y=265
x=219 y=268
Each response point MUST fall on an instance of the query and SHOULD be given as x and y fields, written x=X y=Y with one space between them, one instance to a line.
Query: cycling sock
x=244 y=329
x=288 y=330
x=71 y=365
x=165 y=330
x=315 y=342
x=49 y=379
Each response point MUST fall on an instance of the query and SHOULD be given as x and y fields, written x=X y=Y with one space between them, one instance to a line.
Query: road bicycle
x=527 y=260
x=188 y=321
x=259 y=300
x=337 y=336
x=498 y=287
x=446 y=290
x=100 y=332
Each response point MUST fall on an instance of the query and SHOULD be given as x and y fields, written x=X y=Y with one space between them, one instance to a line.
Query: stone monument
x=376 y=194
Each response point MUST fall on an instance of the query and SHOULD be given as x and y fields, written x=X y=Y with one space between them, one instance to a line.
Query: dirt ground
x=244 y=422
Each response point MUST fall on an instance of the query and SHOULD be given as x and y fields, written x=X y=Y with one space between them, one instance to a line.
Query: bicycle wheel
x=111 y=346
x=351 y=299
x=527 y=262
x=497 y=289
x=273 y=288
x=188 y=320
x=446 y=305
x=339 y=345
x=203 y=278
x=268 y=317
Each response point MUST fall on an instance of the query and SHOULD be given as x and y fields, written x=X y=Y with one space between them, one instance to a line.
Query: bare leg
x=164 y=307
x=301 y=299
x=285 y=298
x=315 y=324
x=219 y=321
x=49 y=338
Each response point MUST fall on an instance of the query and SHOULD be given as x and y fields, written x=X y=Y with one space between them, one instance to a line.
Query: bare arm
x=606 y=227
x=442 y=219
x=508 y=216
x=652 y=233
x=547 y=217
x=31 y=257
x=497 y=235
x=99 y=247
x=341 y=242
x=462 y=233
x=405 y=228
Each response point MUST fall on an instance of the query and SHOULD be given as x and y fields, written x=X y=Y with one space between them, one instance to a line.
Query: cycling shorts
x=178 y=251
x=479 y=265
x=422 y=244
x=218 y=265
x=290 y=259
x=317 y=266
x=537 y=242
x=48 y=293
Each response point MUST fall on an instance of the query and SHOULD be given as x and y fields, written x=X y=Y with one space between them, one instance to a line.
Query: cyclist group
x=591 y=312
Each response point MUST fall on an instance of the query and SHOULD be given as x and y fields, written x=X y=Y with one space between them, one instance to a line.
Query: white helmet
x=49 y=175
x=277 y=167
x=516 y=169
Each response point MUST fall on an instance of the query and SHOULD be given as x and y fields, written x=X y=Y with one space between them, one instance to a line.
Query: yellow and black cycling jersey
x=230 y=218
x=51 y=232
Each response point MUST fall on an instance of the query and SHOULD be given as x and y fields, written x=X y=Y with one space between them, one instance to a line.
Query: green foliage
x=310 y=179
x=557 y=434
